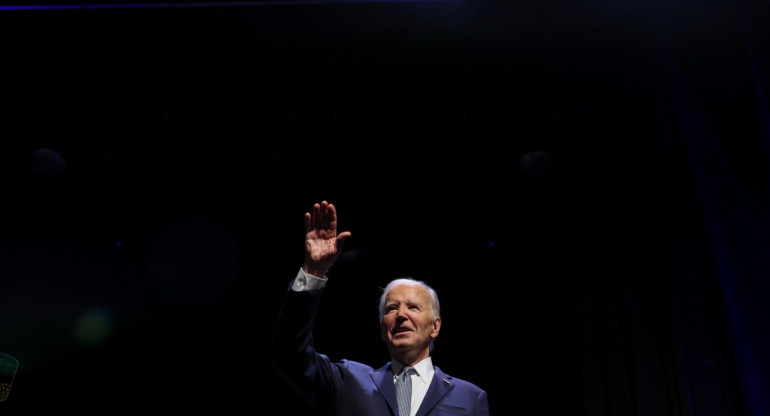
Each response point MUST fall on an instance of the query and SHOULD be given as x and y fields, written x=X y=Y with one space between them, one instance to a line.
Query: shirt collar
x=424 y=368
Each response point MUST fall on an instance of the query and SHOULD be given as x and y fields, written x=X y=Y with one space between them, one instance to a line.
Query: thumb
x=341 y=239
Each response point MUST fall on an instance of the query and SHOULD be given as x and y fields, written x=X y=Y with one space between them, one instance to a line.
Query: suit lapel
x=439 y=387
x=383 y=379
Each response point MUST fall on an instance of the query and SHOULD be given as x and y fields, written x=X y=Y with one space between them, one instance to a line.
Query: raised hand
x=322 y=242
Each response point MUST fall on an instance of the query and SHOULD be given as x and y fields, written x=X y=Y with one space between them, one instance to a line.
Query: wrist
x=315 y=271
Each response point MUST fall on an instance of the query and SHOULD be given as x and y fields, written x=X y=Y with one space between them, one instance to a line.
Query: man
x=409 y=322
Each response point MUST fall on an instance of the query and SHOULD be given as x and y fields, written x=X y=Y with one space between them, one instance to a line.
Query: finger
x=341 y=239
x=308 y=222
x=331 y=217
x=316 y=216
x=326 y=214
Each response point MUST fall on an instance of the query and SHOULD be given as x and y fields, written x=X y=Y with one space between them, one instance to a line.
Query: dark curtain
x=685 y=331
x=586 y=184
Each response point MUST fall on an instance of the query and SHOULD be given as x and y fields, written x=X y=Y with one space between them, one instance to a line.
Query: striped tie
x=404 y=390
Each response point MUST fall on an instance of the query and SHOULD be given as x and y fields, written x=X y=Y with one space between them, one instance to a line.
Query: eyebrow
x=408 y=302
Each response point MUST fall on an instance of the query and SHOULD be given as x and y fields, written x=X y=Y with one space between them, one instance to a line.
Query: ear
x=436 y=327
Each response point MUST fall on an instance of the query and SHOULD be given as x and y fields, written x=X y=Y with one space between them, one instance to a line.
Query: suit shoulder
x=458 y=382
x=355 y=365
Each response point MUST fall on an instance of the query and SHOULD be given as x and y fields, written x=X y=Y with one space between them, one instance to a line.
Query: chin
x=402 y=345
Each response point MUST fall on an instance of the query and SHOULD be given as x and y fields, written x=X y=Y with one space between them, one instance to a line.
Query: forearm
x=292 y=337
x=292 y=351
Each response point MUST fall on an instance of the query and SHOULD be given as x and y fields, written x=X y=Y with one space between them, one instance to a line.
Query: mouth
x=401 y=331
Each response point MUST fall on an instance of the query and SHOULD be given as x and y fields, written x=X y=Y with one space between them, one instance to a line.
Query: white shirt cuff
x=305 y=281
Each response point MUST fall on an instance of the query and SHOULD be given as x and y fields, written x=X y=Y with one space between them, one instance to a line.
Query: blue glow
x=207 y=4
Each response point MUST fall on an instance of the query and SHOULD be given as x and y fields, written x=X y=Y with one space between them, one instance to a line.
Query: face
x=407 y=326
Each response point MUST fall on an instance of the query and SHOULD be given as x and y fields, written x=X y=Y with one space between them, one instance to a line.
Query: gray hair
x=435 y=310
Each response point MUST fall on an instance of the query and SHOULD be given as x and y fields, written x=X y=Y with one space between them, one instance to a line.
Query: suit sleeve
x=293 y=354
x=482 y=404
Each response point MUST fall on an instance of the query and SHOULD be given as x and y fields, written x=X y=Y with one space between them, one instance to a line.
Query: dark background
x=584 y=183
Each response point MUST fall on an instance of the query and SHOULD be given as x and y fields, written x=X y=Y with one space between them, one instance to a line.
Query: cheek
x=384 y=330
x=431 y=326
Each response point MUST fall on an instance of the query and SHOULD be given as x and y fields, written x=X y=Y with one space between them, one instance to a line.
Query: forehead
x=407 y=292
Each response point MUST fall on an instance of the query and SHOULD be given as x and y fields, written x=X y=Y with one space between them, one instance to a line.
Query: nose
x=402 y=310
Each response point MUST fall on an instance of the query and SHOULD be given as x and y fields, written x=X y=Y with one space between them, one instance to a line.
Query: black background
x=505 y=153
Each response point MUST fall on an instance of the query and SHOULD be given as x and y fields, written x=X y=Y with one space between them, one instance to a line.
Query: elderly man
x=409 y=385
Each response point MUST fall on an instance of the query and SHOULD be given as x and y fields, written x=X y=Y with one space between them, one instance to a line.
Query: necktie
x=404 y=390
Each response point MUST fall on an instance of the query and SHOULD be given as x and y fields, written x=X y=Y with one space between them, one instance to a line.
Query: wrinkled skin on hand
x=322 y=242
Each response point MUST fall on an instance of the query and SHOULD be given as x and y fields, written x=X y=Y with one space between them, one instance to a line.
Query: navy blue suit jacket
x=348 y=387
